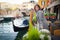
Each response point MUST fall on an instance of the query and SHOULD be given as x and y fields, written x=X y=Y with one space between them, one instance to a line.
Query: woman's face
x=36 y=8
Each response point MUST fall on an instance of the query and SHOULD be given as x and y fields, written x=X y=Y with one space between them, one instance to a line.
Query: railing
x=7 y=16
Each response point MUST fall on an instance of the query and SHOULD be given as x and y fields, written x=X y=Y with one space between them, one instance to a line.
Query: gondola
x=1 y=19
x=24 y=25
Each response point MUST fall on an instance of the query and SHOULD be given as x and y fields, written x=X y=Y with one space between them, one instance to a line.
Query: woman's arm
x=31 y=16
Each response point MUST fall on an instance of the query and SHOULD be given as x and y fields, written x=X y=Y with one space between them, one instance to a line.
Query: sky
x=16 y=1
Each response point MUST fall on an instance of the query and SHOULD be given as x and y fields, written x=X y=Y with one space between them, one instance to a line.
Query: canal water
x=6 y=31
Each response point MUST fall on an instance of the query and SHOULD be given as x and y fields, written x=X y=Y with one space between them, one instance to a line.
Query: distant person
x=40 y=17
x=24 y=14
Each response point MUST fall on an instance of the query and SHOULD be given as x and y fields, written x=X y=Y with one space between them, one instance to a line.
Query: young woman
x=40 y=17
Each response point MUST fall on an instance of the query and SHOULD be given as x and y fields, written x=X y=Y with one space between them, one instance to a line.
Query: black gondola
x=19 y=29
x=16 y=28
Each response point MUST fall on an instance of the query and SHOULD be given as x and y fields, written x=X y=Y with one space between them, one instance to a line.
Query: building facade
x=54 y=6
x=43 y=3
x=7 y=9
x=28 y=5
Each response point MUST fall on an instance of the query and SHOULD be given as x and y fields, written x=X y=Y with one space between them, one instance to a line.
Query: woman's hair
x=38 y=6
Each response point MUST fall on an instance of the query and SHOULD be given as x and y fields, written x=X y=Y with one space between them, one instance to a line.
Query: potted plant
x=46 y=15
x=53 y=15
x=34 y=34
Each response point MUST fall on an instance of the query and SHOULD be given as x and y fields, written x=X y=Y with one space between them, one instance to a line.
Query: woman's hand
x=31 y=15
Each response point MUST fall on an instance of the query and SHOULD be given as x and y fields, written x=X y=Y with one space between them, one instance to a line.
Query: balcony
x=54 y=3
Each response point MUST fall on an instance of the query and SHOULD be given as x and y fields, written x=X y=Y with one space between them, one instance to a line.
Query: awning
x=53 y=4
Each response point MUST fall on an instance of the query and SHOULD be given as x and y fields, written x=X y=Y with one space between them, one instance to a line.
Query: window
x=43 y=3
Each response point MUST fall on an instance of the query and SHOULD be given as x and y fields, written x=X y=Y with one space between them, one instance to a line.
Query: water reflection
x=6 y=31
